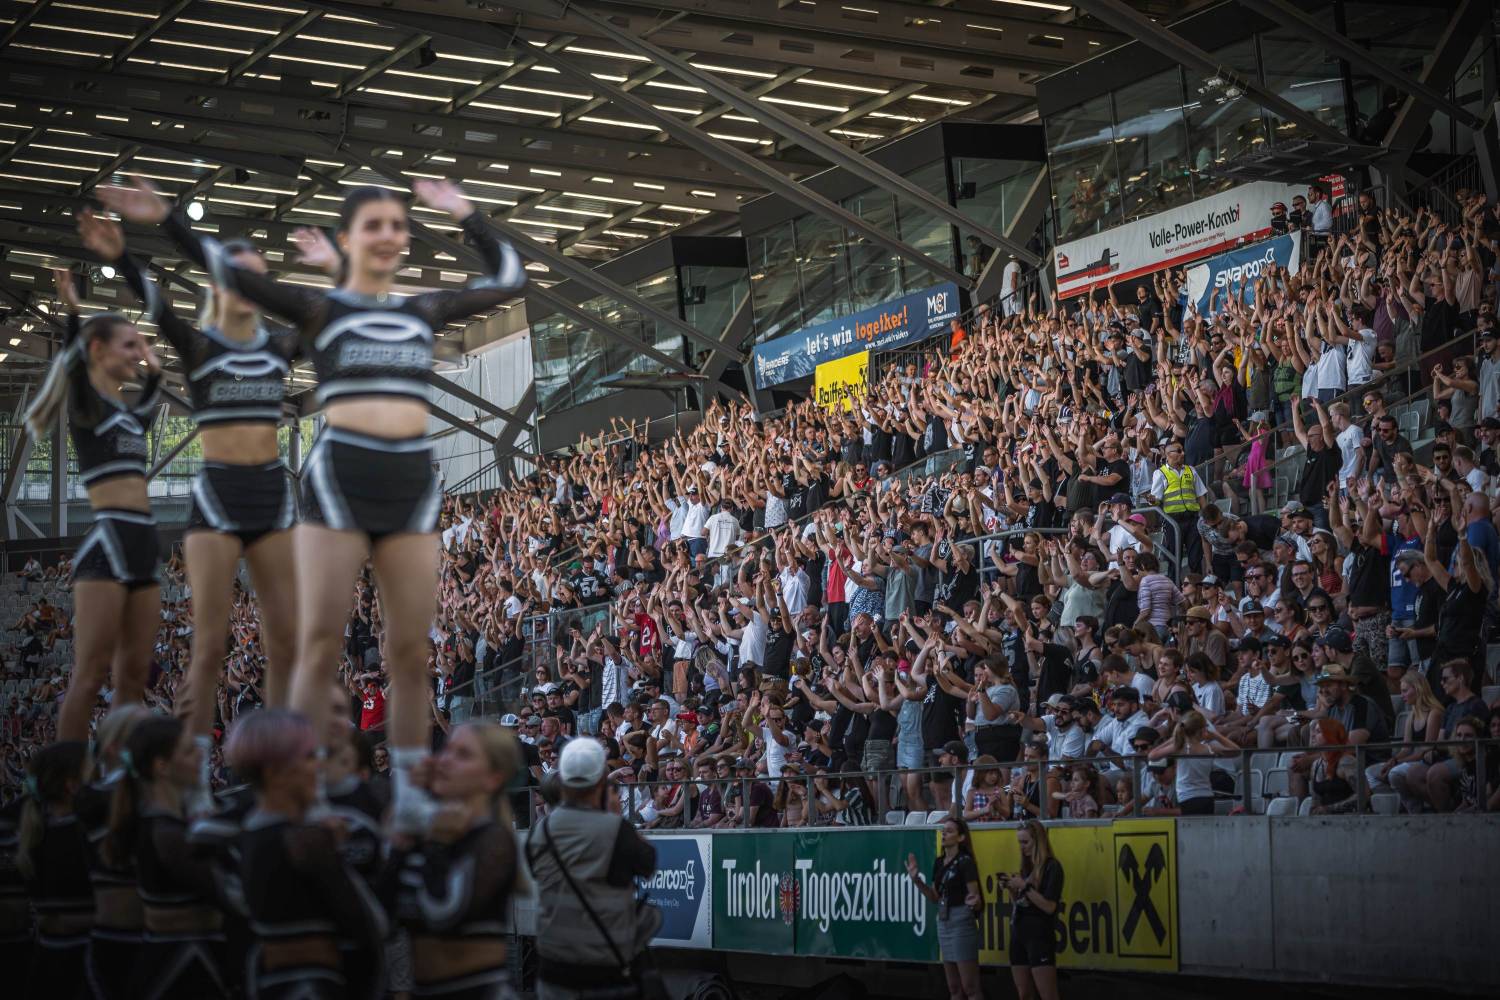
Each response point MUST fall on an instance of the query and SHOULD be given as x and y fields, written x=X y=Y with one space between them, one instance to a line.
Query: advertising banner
x=754 y=893
x=855 y=900
x=1119 y=901
x=902 y=321
x=838 y=384
x=680 y=888
x=834 y=893
x=1170 y=238
x=1225 y=273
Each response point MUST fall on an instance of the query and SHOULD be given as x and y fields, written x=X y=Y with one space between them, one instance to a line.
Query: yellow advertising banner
x=1119 y=901
x=839 y=382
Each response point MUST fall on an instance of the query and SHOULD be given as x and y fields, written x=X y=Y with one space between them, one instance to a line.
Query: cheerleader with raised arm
x=370 y=491
x=116 y=597
x=243 y=502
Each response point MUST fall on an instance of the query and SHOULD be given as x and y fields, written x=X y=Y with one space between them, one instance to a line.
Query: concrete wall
x=1380 y=900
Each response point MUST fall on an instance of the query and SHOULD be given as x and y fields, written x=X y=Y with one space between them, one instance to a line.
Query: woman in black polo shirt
x=1035 y=894
x=955 y=889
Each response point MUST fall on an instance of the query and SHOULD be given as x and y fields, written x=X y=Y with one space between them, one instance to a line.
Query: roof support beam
x=1435 y=100
x=163 y=19
x=467 y=426
x=213 y=108
x=457 y=391
x=722 y=152
x=23 y=21
x=270 y=45
x=1447 y=56
x=795 y=130
x=1122 y=16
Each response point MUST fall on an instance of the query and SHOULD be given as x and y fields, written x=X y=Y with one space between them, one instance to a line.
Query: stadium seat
x=895 y=817
x=1397 y=703
x=1281 y=807
x=1490 y=693
x=1385 y=803
x=1223 y=807
x=916 y=819
x=1492 y=659
x=1276 y=782
x=937 y=815
x=1305 y=808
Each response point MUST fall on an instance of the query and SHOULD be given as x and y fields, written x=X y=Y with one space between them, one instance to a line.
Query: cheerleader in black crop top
x=116 y=597
x=52 y=856
x=452 y=888
x=370 y=491
x=244 y=503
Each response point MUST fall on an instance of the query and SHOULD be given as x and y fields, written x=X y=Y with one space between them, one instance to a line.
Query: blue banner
x=1228 y=271
x=902 y=321
x=681 y=888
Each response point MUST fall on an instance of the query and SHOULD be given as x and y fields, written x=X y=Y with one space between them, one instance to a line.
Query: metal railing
x=1246 y=796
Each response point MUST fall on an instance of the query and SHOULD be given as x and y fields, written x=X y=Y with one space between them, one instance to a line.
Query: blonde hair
x=1035 y=859
x=1425 y=700
x=1189 y=727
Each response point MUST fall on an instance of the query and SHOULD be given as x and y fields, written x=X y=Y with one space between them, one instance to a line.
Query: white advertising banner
x=1188 y=232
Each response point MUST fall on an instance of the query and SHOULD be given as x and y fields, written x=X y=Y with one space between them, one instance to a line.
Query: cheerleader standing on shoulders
x=183 y=935
x=369 y=488
x=53 y=859
x=115 y=937
x=301 y=898
x=243 y=502
x=116 y=597
x=453 y=886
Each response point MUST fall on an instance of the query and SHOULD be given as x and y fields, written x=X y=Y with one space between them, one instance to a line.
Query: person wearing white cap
x=585 y=858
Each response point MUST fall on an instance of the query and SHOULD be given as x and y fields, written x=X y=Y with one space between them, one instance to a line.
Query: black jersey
x=109 y=436
x=171 y=877
x=60 y=879
x=460 y=889
x=14 y=923
x=363 y=345
x=228 y=380
x=359 y=806
x=92 y=806
x=297 y=886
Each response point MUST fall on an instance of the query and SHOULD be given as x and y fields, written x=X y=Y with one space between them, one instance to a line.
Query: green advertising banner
x=831 y=893
x=855 y=899
x=754 y=893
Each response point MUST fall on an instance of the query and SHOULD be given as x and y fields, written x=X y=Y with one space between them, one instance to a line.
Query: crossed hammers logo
x=1141 y=882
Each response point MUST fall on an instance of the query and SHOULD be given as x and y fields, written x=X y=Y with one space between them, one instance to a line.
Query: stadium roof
x=265 y=110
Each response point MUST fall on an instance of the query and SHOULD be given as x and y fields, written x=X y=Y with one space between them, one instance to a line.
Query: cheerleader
x=116 y=597
x=115 y=937
x=243 y=502
x=178 y=957
x=52 y=856
x=301 y=898
x=370 y=491
x=453 y=888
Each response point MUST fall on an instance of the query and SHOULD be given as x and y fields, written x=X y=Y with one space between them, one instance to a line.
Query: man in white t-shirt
x=1351 y=442
x=723 y=530
x=1011 y=303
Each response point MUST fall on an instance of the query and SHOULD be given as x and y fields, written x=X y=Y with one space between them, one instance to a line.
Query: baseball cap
x=1278 y=206
x=1200 y=613
x=1249 y=644
x=1137 y=518
x=510 y=720
x=581 y=764
x=1260 y=416
x=1294 y=508
x=1276 y=641
x=1119 y=498
x=1210 y=581
x=1338 y=639
x=957 y=749
x=1250 y=606
x=1056 y=700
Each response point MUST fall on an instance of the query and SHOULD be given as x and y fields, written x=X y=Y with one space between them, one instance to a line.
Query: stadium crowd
x=1045 y=540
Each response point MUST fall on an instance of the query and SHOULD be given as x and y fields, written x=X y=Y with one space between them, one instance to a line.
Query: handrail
x=880 y=780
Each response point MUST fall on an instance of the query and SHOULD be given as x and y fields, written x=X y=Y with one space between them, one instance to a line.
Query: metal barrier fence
x=1245 y=796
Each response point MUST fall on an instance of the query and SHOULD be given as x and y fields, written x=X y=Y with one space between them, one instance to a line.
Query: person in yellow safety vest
x=1181 y=494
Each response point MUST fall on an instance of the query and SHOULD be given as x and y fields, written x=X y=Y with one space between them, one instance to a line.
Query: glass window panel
x=874 y=272
x=1297 y=69
x=822 y=269
x=1222 y=122
x=1402 y=36
x=990 y=192
x=776 y=301
x=1084 y=170
x=925 y=230
x=710 y=295
x=1152 y=145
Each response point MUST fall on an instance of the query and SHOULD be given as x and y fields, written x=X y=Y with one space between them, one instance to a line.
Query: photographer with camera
x=591 y=931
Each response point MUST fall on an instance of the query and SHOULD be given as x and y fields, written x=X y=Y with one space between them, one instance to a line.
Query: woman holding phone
x=955 y=888
x=1035 y=893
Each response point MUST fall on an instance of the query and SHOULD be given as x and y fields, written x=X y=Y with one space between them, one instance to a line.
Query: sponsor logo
x=1248 y=271
x=684 y=879
x=1165 y=236
x=877 y=895
x=357 y=355
x=1143 y=894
